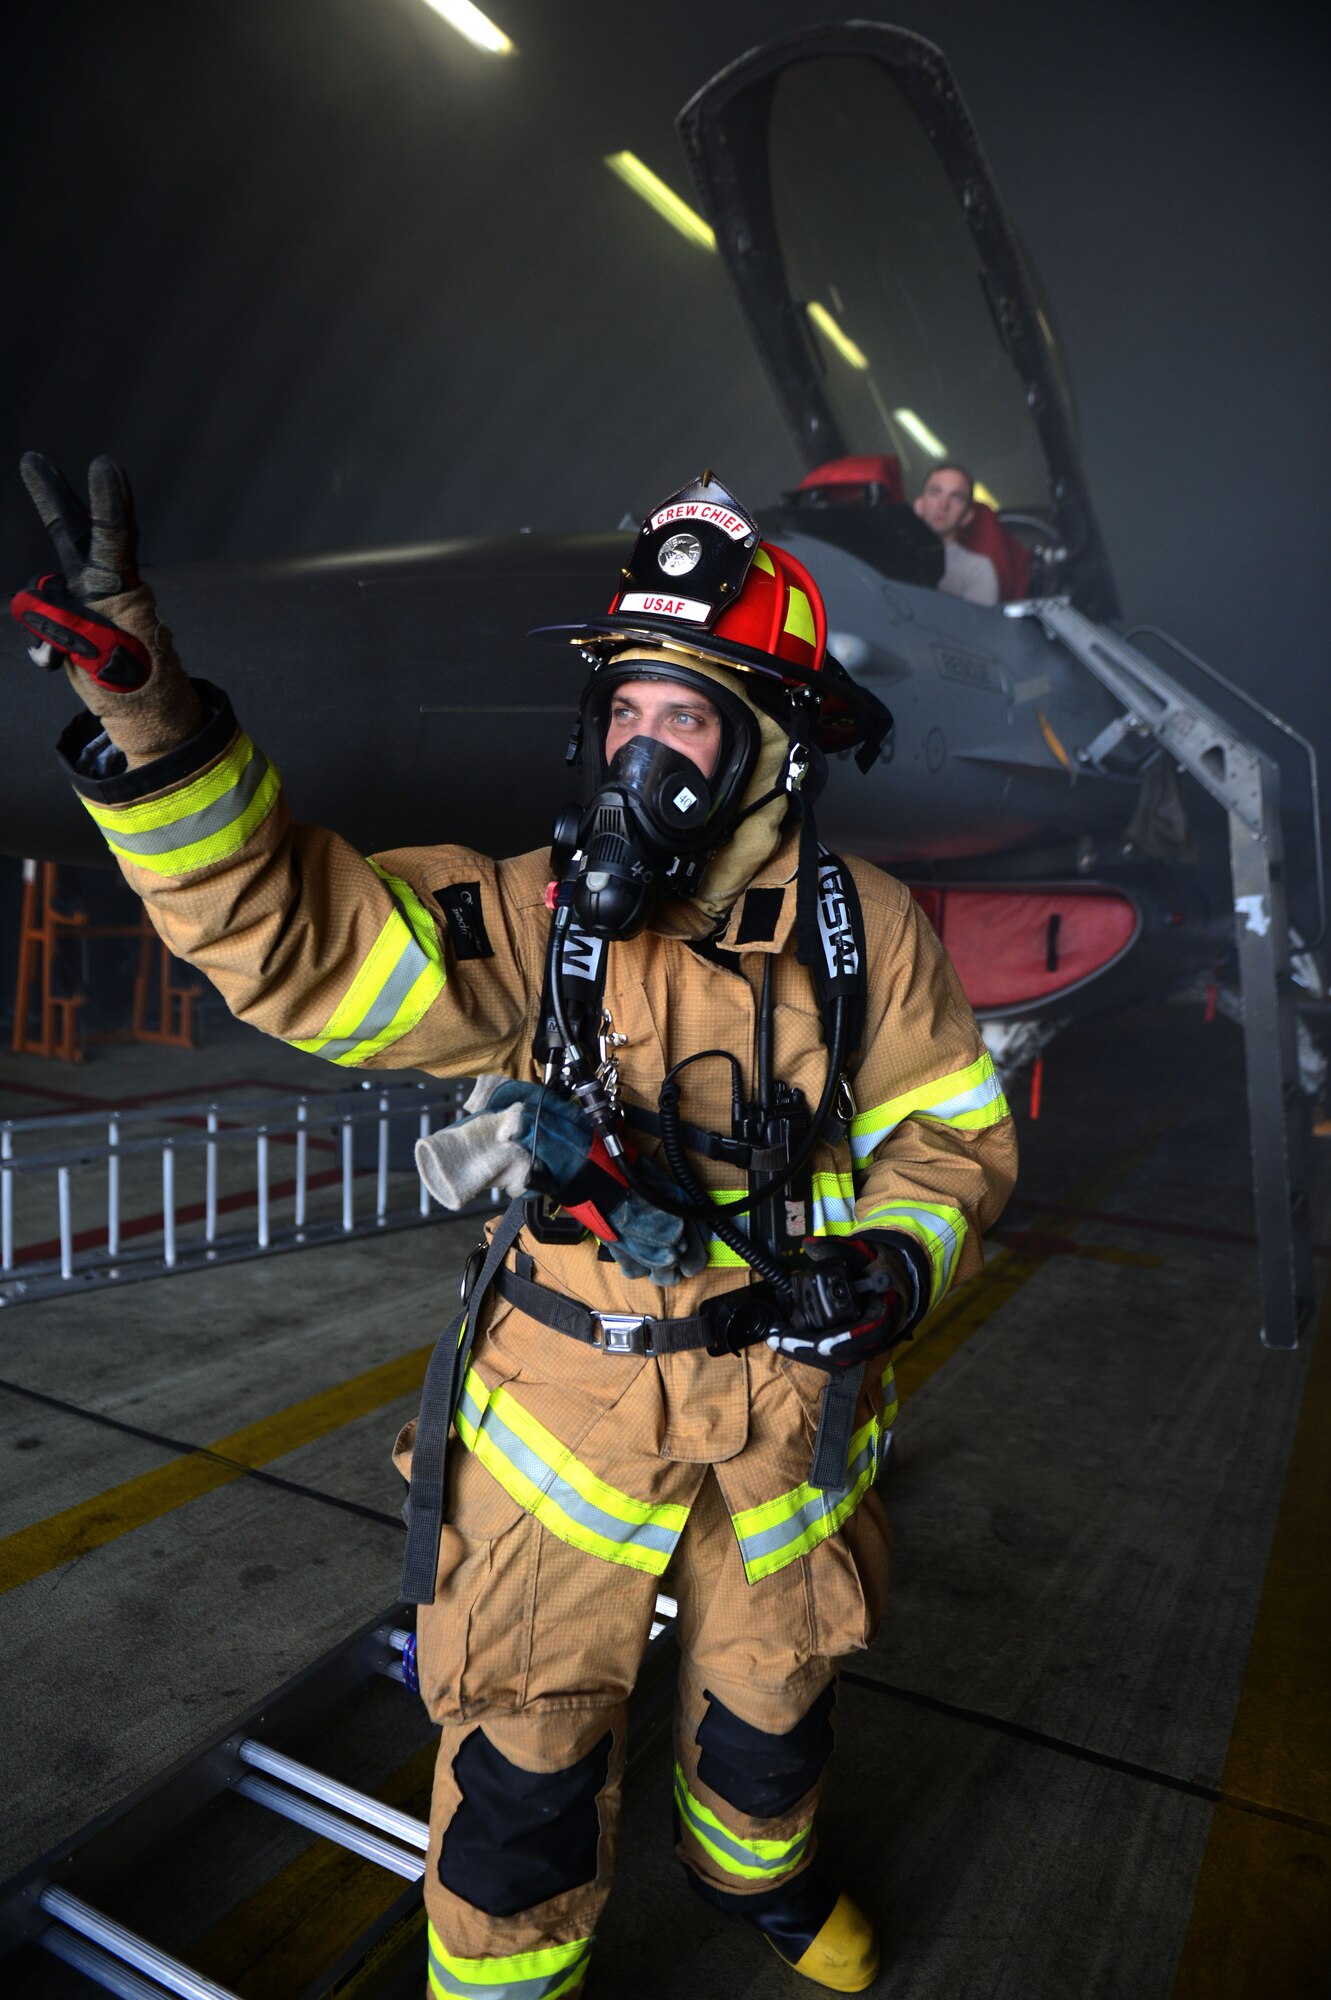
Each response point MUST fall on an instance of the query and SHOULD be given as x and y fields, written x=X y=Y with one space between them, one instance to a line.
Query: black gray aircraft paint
x=899 y=322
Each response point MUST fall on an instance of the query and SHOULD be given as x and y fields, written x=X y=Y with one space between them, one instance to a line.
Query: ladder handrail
x=1276 y=722
x=1245 y=782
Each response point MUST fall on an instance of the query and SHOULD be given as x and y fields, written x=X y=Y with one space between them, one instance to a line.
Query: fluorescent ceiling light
x=842 y=342
x=921 y=433
x=475 y=26
x=990 y=499
x=663 y=199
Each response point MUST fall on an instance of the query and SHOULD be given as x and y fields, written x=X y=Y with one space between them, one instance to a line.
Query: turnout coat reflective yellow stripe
x=356 y=959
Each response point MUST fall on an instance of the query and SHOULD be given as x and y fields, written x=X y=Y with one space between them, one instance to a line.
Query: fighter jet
x=1030 y=793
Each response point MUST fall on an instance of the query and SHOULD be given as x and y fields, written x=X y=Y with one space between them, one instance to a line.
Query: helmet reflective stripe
x=199 y=824
x=799 y=617
x=779 y=612
x=941 y=1230
x=523 y=1975
x=969 y=1099
x=756 y=1860
x=564 y=1495
x=781 y=1531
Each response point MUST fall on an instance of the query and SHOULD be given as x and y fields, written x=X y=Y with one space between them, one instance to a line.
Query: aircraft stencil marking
x=1255 y=915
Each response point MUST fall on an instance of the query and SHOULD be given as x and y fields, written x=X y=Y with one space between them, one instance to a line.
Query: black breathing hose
x=672 y=1144
x=696 y=1207
x=669 y=1108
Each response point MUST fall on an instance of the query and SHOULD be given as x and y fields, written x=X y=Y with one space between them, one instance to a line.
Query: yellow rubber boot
x=844 y=1955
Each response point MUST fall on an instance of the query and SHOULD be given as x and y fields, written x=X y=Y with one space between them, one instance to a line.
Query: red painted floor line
x=194 y=1211
x=204 y=1090
x=1152 y=1224
x=1039 y=1243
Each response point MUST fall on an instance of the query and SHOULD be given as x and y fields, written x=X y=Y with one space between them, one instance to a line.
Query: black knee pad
x=757 y=1772
x=519 y=1836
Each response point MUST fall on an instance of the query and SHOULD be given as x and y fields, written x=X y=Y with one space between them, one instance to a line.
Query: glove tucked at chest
x=518 y=1136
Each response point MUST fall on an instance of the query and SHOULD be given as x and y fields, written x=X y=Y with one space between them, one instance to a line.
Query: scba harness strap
x=830 y=942
x=439 y=1399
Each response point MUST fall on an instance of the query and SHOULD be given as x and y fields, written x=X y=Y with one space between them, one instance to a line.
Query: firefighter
x=759 y=1138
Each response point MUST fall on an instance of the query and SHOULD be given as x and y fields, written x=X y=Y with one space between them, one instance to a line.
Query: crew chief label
x=724 y=518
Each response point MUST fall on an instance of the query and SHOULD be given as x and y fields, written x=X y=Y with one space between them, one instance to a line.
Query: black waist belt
x=613 y=1333
x=733 y=1321
x=726 y=1324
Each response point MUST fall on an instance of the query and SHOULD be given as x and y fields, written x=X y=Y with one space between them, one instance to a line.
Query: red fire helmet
x=700 y=580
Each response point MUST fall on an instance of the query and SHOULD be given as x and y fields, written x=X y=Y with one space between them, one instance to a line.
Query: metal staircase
x=1246 y=783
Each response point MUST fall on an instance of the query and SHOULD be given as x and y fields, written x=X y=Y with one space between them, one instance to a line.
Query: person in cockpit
x=947 y=505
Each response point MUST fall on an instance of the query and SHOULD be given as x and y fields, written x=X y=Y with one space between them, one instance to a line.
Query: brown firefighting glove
x=853 y=1295
x=97 y=618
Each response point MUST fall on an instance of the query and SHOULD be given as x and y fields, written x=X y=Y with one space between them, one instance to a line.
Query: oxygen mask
x=645 y=833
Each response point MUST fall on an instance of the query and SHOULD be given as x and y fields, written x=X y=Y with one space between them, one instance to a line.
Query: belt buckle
x=622 y=1333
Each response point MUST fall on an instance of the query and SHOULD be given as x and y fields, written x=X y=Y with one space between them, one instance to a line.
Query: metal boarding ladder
x=38 y=1908
x=84 y=1158
x=1246 y=783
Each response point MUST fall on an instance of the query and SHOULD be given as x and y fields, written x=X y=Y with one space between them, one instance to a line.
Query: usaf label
x=666 y=607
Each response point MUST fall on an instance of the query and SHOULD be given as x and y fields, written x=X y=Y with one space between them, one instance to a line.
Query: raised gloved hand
x=853 y=1294
x=96 y=617
x=516 y=1136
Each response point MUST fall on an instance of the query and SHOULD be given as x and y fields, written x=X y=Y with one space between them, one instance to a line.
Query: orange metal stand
x=175 y=1003
x=42 y=926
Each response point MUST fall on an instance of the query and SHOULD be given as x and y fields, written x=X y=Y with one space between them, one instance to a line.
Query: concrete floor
x=1087 y=1753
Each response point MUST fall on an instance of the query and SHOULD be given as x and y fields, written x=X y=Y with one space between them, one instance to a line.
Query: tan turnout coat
x=582 y=1466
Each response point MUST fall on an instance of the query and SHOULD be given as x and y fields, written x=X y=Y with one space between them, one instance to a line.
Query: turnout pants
x=530 y=1650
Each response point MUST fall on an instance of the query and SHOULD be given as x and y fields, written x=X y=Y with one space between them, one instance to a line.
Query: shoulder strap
x=439 y=1398
x=829 y=930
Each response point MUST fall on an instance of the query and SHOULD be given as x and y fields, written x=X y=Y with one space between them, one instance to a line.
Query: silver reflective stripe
x=715 y=1836
x=831 y=1208
x=544 y=1984
x=638 y=1534
x=987 y=1091
x=934 y=1227
x=769 y=1540
x=382 y=1011
x=195 y=826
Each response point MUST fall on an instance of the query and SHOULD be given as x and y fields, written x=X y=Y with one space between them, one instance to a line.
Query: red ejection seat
x=874 y=479
x=852 y=481
x=985 y=533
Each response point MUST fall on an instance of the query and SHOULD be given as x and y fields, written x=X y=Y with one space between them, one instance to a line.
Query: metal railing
x=85 y=1172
